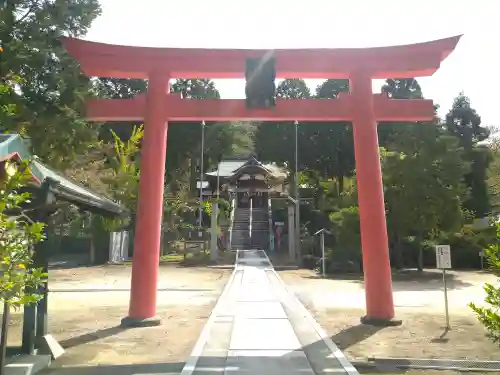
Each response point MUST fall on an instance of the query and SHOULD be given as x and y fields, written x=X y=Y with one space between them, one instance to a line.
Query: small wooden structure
x=49 y=190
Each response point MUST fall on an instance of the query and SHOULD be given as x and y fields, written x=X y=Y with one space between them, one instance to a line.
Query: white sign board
x=443 y=256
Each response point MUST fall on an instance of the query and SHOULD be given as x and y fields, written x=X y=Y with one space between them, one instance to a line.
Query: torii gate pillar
x=147 y=237
x=374 y=242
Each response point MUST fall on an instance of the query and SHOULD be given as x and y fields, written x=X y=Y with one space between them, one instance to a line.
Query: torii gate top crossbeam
x=406 y=61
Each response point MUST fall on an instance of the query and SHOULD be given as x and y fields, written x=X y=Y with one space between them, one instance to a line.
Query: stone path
x=259 y=327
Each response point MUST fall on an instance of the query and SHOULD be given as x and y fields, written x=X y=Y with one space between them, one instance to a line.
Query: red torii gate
x=360 y=106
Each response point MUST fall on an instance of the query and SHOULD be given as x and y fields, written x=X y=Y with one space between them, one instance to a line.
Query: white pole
x=213 y=233
x=323 y=253
x=447 y=316
x=200 y=218
x=218 y=181
x=297 y=203
x=291 y=236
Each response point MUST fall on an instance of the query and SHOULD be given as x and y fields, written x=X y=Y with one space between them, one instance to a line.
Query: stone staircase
x=242 y=239
x=241 y=229
x=260 y=229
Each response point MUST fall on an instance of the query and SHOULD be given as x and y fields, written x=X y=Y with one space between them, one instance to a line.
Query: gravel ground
x=338 y=304
x=86 y=305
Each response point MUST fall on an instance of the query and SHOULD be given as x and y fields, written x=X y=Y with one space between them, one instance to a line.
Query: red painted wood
x=235 y=109
x=360 y=106
x=407 y=61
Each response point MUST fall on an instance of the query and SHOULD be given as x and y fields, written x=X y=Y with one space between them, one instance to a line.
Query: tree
x=184 y=138
x=423 y=171
x=293 y=89
x=276 y=141
x=118 y=88
x=494 y=174
x=7 y=97
x=346 y=227
x=397 y=88
x=464 y=123
x=331 y=88
x=334 y=151
x=402 y=88
x=222 y=140
x=123 y=176
x=284 y=142
x=489 y=315
x=50 y=93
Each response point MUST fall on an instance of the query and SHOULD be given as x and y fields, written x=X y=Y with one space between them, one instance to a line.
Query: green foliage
x=346 y=228
x=124 y=178
x=49 y=95
x=493 y=180
x=425 y=162
x=489 y=315
x=423 y=174
x=293 y=89
x=7 y=97
x=402 y=88
x=465 y=124
x=466 y=246
x=325 y=150
x=19 y=282
x=120 y=173
x=118 y=88
x=175 y=210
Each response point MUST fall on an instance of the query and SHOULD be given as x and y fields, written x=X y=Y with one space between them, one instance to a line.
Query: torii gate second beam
x=339 y=109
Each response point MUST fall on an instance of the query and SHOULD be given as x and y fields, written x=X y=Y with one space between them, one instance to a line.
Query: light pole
x=297 y=197
x=200 y=218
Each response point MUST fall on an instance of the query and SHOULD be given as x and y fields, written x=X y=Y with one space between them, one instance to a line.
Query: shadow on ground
x=91 y=336
x=354 y=335
x=442 y=339
x=317 y=356
x=146 y=368
x=317 y=353
x=93 y=290
x=408 y=280
x=67 y=265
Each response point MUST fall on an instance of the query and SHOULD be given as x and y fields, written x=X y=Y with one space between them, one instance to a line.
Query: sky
x=472 y=68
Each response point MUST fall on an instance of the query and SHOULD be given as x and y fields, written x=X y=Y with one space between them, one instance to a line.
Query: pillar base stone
x=380 y=322
x=129 y=322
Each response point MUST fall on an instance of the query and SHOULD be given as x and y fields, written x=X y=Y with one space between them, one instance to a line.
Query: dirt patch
x=420 y=336
x=338 y=305
x=84 y=315
x=100 y=340
x=170 y=276
x=428 y=372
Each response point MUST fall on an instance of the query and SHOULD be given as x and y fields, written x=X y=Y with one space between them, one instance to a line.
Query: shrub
x=489 y=315
x=309 y=261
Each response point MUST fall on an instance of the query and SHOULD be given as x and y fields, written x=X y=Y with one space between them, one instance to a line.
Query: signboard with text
x=443 y=256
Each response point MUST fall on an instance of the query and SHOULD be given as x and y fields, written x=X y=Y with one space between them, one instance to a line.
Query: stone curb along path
x=259 y=327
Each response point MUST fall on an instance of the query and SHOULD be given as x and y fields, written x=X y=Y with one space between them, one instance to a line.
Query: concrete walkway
x=259 y=327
